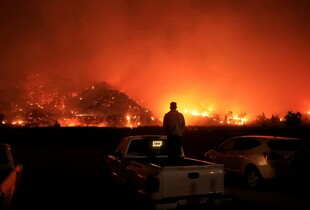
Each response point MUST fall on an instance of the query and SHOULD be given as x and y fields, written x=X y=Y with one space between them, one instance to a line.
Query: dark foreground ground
x=63 y=166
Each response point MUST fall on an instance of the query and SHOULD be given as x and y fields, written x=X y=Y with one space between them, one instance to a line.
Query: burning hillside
x=41 y=103
x=102 y=105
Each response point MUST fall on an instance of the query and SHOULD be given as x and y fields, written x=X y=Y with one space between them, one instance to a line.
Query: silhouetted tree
x=275 y=120
x=293 y=119
x=57 y=125
x=261 y=119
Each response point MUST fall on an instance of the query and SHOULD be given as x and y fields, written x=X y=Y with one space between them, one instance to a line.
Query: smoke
x=240 y=56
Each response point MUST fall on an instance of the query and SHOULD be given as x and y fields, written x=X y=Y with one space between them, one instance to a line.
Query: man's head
x=173 y=105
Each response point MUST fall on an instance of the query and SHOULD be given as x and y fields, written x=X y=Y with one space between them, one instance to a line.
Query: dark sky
x=244 y=56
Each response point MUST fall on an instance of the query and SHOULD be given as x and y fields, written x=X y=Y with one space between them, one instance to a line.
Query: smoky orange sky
x=244 y=56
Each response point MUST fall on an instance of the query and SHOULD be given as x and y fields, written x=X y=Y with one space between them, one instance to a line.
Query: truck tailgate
x=182 y=181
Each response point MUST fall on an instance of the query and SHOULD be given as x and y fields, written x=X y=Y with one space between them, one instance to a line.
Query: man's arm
x=165 y=124
x=183 y=122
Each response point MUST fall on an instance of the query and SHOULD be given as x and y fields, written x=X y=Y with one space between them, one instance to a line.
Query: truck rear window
x=147 y=148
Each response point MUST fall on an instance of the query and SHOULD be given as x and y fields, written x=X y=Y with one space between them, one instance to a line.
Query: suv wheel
x=254 y=178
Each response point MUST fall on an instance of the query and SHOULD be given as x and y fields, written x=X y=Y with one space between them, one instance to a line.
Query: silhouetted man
x=174 y=126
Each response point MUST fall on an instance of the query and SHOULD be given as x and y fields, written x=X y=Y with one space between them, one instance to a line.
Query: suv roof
x=267 y=137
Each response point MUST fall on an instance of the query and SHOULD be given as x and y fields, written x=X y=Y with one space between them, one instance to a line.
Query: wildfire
x=207 y=117
x=99 y=105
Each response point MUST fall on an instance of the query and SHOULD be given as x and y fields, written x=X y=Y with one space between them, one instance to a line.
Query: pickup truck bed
x=142 y=164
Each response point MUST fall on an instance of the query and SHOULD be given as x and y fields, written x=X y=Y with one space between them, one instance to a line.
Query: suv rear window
x=244 y=144
x=286 y=145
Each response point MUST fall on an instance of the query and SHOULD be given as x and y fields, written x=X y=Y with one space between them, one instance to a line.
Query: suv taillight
x=272 y=156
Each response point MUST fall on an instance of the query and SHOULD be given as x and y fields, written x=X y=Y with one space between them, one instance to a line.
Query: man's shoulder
x=167 y=114
x=170 y=112
x=181 y=116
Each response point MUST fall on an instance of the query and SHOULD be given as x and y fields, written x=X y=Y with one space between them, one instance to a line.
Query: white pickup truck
x=141 y=164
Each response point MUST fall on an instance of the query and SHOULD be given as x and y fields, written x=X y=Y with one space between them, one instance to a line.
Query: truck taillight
x=152 y=184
